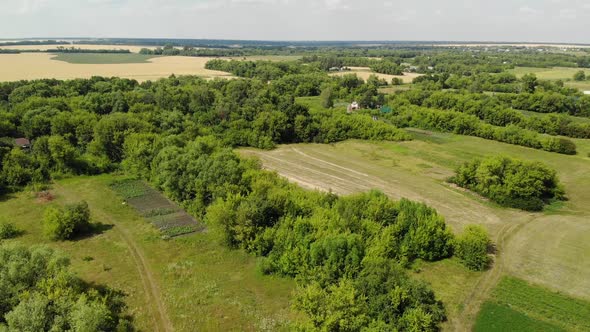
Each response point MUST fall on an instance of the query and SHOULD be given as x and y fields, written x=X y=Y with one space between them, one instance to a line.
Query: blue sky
x=500 y=20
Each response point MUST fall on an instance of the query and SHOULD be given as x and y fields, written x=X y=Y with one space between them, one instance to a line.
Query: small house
x=22 y=142
x=587 y=92
x=354 y=106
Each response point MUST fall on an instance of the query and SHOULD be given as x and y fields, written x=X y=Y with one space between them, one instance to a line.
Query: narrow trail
x=150 y=285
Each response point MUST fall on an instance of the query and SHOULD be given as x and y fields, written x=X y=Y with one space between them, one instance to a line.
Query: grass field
x=177 y=284
x=102 y=58
x=555 y=73
x=28 y=66
x=517 y=305
x=545 y=248
x=365 y=72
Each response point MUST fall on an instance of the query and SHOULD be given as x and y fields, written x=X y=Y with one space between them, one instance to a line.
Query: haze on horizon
x=560 y=21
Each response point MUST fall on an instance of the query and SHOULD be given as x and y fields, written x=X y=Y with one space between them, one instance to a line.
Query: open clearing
x=365 y=72
x=545 y=248
x=555 y=73
x=517 y=305
x=170 y=285
x=29 y=66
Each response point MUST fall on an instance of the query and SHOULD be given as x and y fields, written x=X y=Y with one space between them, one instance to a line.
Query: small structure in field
x=587 y=92
x=23 y=143
x=354 y=106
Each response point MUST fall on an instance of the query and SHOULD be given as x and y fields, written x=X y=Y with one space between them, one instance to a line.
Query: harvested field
x=365 y=72
x=131 y=48
x=30 y=66
x=166 y=216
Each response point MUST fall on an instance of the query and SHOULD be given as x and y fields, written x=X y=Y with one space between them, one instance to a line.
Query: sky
x=431 y=20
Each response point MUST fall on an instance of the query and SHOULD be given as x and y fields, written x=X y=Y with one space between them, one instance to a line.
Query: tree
x=64 y=223
x=529 y=83
x=472 y=246
x=580 y=76
x=327 y=97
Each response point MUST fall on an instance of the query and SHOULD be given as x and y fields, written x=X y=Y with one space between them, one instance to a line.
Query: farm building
x=22 y=143
x=587 y=92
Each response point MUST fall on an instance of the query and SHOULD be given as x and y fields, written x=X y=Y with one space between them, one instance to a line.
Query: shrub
x=471 y=248
x=64 y=223
x=8 y=231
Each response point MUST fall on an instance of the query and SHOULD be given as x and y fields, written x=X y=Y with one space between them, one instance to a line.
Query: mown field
x=518 y=306
x=170 y=285
x=365 y=72
x=555 y=73
x=545 y=248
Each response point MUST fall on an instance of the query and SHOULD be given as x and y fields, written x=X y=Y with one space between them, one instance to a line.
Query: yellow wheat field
x=29 y=66
x=132 y=49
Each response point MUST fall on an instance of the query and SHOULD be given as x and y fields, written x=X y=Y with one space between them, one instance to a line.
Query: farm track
x=486 y=284
x=152 y=292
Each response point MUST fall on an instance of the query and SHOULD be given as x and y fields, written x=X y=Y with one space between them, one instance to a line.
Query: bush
x=471 y=248
x=8 y=231
x=67 y=222
x=510 y=182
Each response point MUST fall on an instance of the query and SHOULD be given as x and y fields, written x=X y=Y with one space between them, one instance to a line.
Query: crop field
x=517 y=305
x=365 y=72
x=171 y=285
x=166 y=216
x=102 y=58
x=29 y=66
x=545 y=248
x=131 y=48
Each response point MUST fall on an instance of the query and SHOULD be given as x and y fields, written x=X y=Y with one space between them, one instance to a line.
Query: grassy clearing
x=555 y=73
x=365 y=72
x=201 y=282
x=102 y=58
x=516 y=302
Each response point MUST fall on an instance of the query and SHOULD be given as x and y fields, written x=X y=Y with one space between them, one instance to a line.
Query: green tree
x=472 y=246
x=529 y=83
x=327 y=97
x=67 y=222
x=580 y=76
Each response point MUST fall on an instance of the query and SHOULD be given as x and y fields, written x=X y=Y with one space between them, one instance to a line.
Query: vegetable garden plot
x=166 y=216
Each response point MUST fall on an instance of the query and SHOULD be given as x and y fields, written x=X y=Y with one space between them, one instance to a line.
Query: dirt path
x=486 y=284
x=150 y=285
